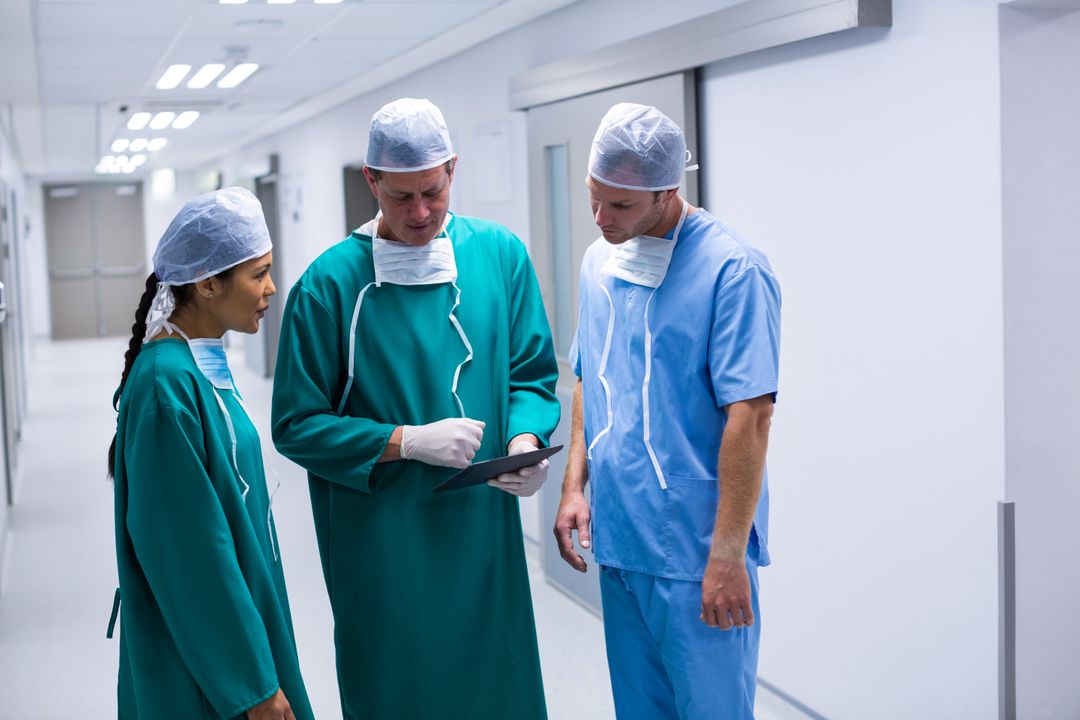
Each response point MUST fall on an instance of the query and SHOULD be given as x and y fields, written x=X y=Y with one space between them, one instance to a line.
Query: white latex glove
x=452 y=442
x=526 y=481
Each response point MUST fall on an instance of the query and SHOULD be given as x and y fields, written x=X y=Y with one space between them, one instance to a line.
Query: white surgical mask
x=209 y=354
x=399 y=263
x=643 y=260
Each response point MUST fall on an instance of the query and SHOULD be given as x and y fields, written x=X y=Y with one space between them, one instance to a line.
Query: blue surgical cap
x=210 y=234
x=637 y=147
x=408 y=135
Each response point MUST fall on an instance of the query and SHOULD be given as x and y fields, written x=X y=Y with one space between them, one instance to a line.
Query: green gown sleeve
x=184 y=545
x=534 y=371
x=307 y=380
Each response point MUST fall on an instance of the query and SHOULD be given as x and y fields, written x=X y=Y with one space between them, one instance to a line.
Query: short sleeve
x=575 y=354
x=744 y=342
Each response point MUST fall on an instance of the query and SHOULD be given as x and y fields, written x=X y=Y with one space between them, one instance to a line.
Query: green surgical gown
x=205 y=630
x=430 y=593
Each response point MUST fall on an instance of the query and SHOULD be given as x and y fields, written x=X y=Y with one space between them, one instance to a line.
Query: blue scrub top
x=715 y=324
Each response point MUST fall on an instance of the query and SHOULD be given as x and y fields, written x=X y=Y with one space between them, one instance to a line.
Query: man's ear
x=372 y=183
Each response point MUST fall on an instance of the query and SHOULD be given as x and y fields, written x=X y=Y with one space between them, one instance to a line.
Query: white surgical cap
x=408 y=135
x=637 y=147
x=210 y=234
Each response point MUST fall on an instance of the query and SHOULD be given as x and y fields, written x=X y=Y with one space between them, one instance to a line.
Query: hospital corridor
x=539 y=359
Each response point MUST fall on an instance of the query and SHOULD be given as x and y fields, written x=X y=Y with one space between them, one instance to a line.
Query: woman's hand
x=275 y=707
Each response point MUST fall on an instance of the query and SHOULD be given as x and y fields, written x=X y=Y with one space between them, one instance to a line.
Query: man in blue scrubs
x=676 y=354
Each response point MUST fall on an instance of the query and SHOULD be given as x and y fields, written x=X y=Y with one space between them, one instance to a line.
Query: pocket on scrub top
x=690 y=516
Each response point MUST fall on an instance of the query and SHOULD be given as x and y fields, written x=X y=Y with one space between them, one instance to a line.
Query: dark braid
x=138 y=332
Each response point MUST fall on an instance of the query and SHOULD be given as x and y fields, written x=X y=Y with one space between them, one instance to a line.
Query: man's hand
x=275 y=707
x=526 y=481
x=573 y=515
x=725 y=592
x=452 y=442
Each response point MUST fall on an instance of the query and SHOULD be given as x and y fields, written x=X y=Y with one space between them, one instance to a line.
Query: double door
x=95 y=238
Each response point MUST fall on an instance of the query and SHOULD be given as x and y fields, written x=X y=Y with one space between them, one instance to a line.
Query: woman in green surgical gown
x=205 y=629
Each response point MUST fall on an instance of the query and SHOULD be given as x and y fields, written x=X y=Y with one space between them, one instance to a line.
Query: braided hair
x=138 y=331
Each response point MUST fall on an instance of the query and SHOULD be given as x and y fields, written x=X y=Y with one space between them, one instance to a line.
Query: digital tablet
x=481 y=472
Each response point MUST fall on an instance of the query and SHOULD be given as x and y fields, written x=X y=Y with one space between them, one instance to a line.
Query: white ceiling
x=89 y=64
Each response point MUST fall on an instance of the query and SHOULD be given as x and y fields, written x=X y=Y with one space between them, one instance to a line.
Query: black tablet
x=481 y=472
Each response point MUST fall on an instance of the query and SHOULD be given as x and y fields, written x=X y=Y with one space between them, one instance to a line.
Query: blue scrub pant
x=665 y=663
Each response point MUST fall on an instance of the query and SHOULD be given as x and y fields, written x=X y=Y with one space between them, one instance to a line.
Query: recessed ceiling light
x=156 y=144
x=172 y=76
x=119 y=145
x=205 y=76
x=138 y=121
x=162 y=120
x=184 y=119
x=138 y=160
x=237 y=75
x=137 y=145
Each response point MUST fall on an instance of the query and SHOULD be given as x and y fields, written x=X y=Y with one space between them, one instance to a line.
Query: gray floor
x=60 y=573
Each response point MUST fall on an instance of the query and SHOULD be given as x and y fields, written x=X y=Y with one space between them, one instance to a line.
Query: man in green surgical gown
x=416 y=345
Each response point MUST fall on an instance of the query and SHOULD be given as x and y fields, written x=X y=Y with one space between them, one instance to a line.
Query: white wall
x=1041 y=147
x=866 y=165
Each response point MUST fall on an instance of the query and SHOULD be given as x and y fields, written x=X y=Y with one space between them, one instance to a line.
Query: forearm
x=343 y=450
x=741 y=469
x=577 y=474
x=393 y=447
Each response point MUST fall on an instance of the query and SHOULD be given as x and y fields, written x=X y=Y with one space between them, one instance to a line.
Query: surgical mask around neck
x=399 y=263
x=209 y=354
x=644 y=260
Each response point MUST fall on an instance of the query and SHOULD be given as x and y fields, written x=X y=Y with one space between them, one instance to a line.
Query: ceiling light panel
x=137 y=145
x=119 y=145
x=172 y=77
x=156 y=144
x=206 y=75
x=162 y=120
x=185 y=119
x=237 y=75
x=138 y=121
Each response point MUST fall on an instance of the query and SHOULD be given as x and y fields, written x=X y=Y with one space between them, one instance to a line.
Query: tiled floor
x=55 y=662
